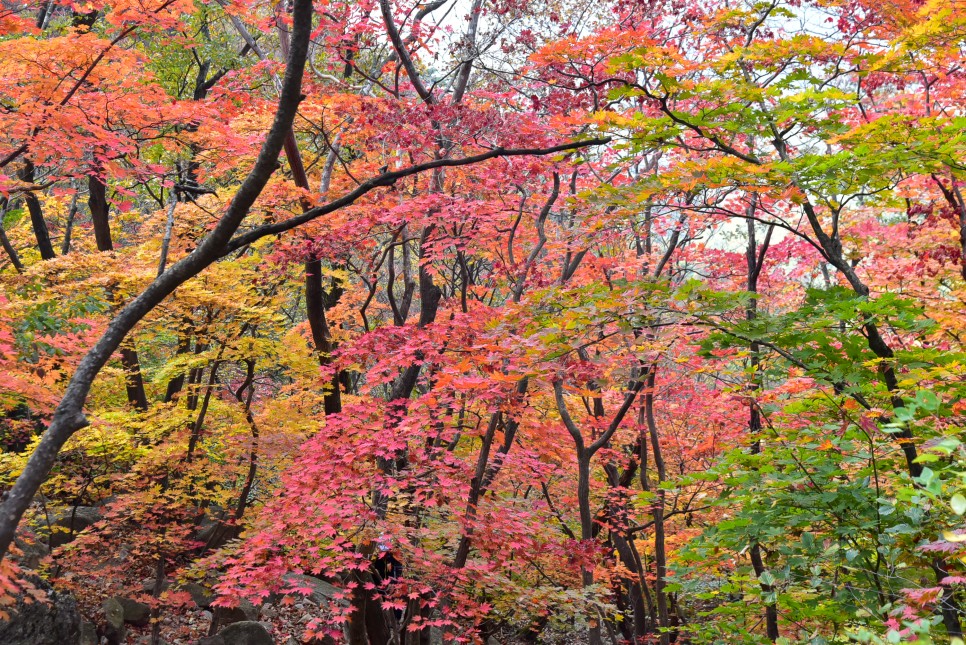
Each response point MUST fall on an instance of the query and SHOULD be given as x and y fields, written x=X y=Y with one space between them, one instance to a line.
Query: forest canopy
x=416 y=322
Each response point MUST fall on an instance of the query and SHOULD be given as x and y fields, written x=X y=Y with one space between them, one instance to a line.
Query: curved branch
x=469 y=42
x=388 y=179
x=403 y=53
x=566 y=418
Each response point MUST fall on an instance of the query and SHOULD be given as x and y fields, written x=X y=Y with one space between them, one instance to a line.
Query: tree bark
x=754 y=259
x=5 y=241
x=100 y=216
x=316 y=302
x=37 y=220
x=660 y=550
x=100 y=213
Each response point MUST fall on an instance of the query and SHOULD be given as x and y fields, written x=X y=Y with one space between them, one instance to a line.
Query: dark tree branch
x=389 y=178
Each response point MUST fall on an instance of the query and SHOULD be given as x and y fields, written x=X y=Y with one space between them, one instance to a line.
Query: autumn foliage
x=619 y=322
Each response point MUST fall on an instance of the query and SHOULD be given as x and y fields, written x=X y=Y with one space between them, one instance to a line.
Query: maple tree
x=635 y=322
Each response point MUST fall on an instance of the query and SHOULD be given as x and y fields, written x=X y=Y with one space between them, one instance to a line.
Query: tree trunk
x=100 y=213
x=100 y=216
x=37 y=220
x=133 y=381
x=5 y=241
x=754 y=258
x=660 y=550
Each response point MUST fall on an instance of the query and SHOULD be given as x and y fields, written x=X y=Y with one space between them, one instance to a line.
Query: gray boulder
x=244 y=612
x=200 y=594
x=55 y=621
x=135 y=613
x=211 y=529
x=246 y=633
x=321 y=591
x=147 y=585
x=71 y=522
x=88 y=634
x=114 y=629
x=32 y=551
x=212 y=640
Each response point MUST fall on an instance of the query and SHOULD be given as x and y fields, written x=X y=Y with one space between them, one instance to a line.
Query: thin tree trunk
x=69 y=226
x=37 y=220
x=617 y=513
x=133 y=381
x=954 y=198
x=100 y=213
x=5 y=241
x=585 y=454
x=156 y=592
x=660 y=550
x=246 y=490
x=587 y=533
x=100 y=216
x=316 y=302
x=177 y=382
x=754 y=258
x=166 y=239
x=832 y=246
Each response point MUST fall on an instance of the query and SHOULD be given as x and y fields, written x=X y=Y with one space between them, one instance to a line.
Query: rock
x=250 y=610
x=136 y=613
x=211 y=529
x=114 y=618
x=88 y=634
x=32 y=550
x=246 y=633
x=245 y=612
x=55 y=621
x=435 y=636
x=223 y=616
x=113 y=613
x=207 y=532
x=321 y=593
x=71 y=522
x=146 y=640
x=147 y=585
x=492 y=641
x=212 y=640
x=199 y=593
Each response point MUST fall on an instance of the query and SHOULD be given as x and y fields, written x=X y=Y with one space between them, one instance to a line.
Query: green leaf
x=905 y=414
x=958 y=502
x=808 y=540
x=927 y=400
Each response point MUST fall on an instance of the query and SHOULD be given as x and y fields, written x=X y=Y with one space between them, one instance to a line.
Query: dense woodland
x=482 y=321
